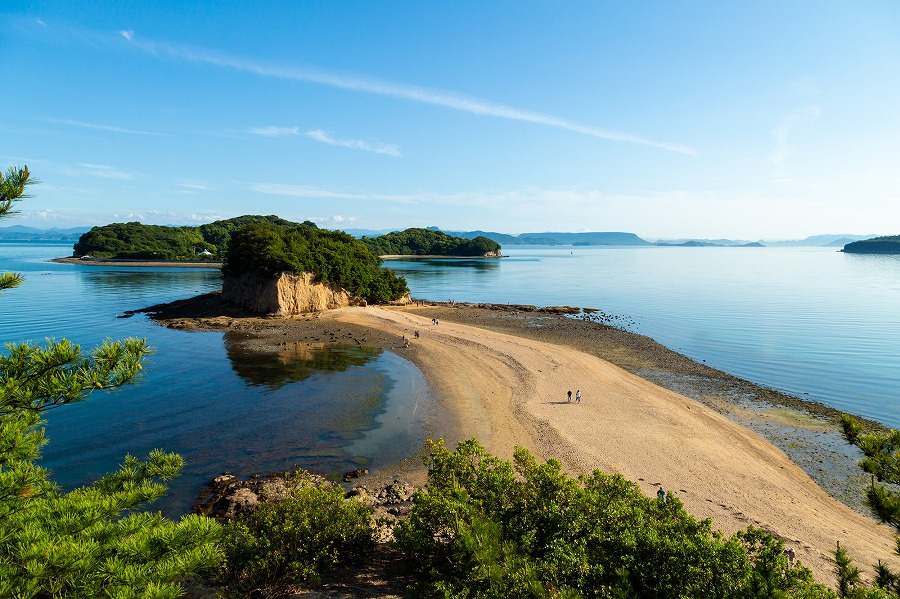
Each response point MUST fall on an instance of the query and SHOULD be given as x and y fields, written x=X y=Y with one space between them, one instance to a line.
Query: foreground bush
x=287 y=544
x=489 y=528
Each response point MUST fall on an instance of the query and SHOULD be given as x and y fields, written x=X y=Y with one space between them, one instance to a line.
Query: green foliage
x=332 y=256
x=289 y=543
x=878 y=245
x=148 y=242
x=12 y=189
x=91 y=541
x=153 y=242
x=218 y=233
x=488 y=528
x=94 y=541
x=425 y=242
x=882 y=460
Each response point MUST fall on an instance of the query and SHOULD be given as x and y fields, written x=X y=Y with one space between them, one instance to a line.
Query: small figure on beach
x=578 y=396
x=570 y=396
x=661 y=494
x=434 y=321
x=416 y=334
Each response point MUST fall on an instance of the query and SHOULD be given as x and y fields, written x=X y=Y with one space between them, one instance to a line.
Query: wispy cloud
x=272 y=131
x=302 y=191
x=110 y=128
x=389 y=149
x=358 y=83
x=782 y=133
x=195 y=186
x=104 y=171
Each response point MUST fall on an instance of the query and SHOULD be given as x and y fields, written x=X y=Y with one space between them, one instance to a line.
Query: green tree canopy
x=876 y=245
x=428 y=242
x=332 y=256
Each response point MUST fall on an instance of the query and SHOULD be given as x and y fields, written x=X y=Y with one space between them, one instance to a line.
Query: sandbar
x=509 y=390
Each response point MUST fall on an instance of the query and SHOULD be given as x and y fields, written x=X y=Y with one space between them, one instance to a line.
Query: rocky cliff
x=285 y=294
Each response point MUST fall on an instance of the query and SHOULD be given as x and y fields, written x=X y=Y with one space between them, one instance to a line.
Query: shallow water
x=326 y=410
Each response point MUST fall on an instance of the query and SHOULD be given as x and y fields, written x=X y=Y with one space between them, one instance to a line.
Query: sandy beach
x=502 y=378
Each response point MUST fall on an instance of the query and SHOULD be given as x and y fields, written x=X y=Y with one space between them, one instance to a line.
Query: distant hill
x=877 y=245
x=589 y=238
x=18 y=232
x=819 y=240
x=696 y=243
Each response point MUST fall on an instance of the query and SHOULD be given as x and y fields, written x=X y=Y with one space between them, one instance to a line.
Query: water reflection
x=293 y=363
x=144 y=280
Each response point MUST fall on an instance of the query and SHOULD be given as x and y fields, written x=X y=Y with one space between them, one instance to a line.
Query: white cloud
x=782 y=133
x=195 y=186
x=110 y=128
x=127 y=34
x=104 y=171
x=301 y=191
x=389 y=149
x=272 y=131
x=445 y=99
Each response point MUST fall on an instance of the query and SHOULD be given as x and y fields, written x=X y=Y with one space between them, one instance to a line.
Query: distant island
x=430 y=242
x=137 y=241
x=877 y=245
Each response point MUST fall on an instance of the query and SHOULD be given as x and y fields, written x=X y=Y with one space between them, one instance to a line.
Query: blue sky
x=757 y=120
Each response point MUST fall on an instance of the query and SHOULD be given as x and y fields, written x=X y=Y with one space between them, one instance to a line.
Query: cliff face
x=285 y=294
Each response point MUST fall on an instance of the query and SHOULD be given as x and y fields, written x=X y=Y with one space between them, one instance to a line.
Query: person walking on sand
x=570 y=396
x=578 y=396
x=661 y=494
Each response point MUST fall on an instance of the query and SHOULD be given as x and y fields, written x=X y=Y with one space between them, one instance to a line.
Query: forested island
x=889 y=244
x=155 y=242
x=267 y=248
x=430 y=242
x=137 y=241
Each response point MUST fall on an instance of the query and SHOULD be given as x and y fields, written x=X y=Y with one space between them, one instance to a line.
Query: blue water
x=812 y=322
x=200 y=395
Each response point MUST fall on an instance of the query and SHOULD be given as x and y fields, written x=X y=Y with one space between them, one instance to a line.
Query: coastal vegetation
x=331 y=256
x=429 y=242
x=287 y=544
x=486 y=527
x=876 y=245
x=882 y=460
x=98 y=540
x=154 y=242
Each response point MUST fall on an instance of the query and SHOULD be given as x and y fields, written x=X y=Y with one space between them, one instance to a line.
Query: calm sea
x=220 y=408
x=812 y=322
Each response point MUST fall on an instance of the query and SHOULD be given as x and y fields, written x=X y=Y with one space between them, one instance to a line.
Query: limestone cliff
x=285 y=294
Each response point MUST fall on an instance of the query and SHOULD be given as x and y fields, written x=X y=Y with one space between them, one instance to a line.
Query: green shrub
x=489 y=528
x=288 y=544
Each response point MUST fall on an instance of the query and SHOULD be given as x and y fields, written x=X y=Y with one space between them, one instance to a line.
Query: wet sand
x=648 y=413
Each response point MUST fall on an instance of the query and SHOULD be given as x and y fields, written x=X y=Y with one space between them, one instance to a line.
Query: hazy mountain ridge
x=22 y=233
x=548 y=238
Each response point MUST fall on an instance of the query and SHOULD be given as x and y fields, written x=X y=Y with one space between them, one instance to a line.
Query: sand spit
x=510 y=390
